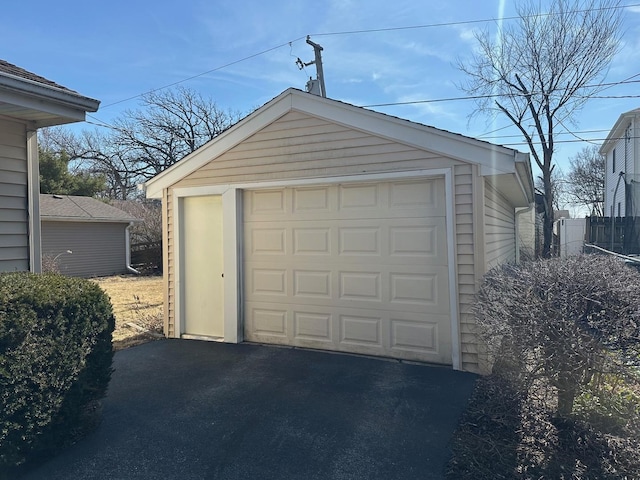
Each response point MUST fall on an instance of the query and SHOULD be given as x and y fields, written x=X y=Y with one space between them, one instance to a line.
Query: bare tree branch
x=543 y=69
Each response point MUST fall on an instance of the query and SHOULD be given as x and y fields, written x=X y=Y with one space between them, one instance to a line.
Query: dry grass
x=137 y=301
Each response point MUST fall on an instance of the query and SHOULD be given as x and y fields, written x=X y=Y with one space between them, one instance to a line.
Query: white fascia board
x=219 y=145
x=617 y=131
x=63 y=113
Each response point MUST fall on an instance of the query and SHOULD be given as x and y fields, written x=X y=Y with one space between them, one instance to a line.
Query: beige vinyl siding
x=466 y=263
x=98 y=248
x=295 y=146
x=300 y=146
x=499 y=228
x=14 y=230
x=170 y=273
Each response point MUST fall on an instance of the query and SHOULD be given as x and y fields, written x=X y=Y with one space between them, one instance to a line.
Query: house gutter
x=127 y=242
x=48 y=92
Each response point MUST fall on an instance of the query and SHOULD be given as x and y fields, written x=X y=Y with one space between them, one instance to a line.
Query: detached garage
x=318 y=224
x=84 y=237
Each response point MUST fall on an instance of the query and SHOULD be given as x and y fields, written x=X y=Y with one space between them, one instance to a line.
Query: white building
x=620 y=149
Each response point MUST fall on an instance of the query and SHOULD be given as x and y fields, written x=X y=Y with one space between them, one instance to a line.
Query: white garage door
x=354 y=267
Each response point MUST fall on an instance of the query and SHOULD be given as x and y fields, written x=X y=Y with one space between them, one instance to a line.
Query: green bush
x=55 y=361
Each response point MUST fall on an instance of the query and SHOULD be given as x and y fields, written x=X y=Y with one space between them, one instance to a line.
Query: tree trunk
x=548 y=217
x=566 y=395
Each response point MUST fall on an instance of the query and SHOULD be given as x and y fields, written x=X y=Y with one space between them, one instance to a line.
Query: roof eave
x=516 y=186
x=617 y=131
x=56 y=218
x=65 y=106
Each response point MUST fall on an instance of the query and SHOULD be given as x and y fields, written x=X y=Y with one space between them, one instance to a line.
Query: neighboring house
x=96 y=234
x=622 y=152
x=314 y=223
x=27 y=102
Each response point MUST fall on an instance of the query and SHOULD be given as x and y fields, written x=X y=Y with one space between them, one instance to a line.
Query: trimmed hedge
x=55 y=361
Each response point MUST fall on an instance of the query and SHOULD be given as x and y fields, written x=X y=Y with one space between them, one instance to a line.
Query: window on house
x=613 y=163
x=619 y=208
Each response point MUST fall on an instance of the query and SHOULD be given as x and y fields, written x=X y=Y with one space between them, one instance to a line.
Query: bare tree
x=558 y=188
x=585 y=180
x=540 y=70
x=142 y=143
x=170 y=125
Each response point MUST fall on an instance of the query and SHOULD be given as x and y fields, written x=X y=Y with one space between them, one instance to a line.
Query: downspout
x=525 y=210
x=127 y=242
x=613 y=209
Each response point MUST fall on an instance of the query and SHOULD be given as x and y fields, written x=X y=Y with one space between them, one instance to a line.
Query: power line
x=351 y=32
x=497 y=95
x=205 y=73
x=462 y=22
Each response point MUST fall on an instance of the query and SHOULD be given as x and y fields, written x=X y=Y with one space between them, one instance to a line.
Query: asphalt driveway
x=184 y=409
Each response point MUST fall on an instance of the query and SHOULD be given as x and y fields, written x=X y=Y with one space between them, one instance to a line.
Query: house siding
x=300 y=146
x=466 y=239
x=98 y=248
x=625 y=149
x=499 y=228
x=14 y=221
x=169 y=261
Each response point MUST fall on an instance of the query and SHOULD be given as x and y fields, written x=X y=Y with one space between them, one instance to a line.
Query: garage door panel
x=359 y=240
x=268 y=281
x=386 y=241
x=311 y=240
x=424 y=196
x=313 y=284
x=361 y=330
x=313 y=326
x=312 y=200
x=413 y=335
x=356 y=268
x=409 y=199
x=411 y=288
x=404 y=335
x=267 y=240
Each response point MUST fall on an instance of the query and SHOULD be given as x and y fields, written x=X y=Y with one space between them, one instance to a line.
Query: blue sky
x=116 y=50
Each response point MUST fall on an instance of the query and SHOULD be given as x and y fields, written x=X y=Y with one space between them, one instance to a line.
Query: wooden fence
x=147 y=256
x=625 y=238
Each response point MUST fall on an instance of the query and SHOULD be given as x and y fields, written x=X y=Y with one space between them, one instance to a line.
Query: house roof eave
x=618 y=130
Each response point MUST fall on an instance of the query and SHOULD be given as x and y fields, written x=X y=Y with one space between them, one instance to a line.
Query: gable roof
x=494 y=160
x=27 y=96
x=73 y=208
x=617 y=132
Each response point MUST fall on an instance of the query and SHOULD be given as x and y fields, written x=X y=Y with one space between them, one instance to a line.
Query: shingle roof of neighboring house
x=11 y=69
x=80 y=209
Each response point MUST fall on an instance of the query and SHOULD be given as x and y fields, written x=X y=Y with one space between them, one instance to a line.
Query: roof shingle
x=11 y=69
x=73 y=207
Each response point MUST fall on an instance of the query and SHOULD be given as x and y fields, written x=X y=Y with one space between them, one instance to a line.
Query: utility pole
x=317 y=49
